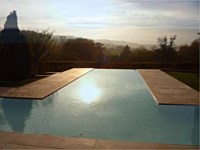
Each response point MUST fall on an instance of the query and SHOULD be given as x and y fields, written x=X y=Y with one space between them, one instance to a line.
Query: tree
x=40 y=44
x=189 y=53
x=81 y=50
x=141 y=54
x=126 y=53
x=100 y=56
x=167 y=50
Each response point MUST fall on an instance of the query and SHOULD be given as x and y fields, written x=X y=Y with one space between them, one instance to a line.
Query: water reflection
x=195 y=130
x=89 y=92
x=2 y=119
x=16 y=112
x=48 y=101
x=181 y=121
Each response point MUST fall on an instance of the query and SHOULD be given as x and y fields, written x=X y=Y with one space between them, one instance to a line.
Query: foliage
x=142 y=55
x=111 y=52
x=167 y=50
x=126 y=53
x=86 y=50
x=81 y=50
x=189 y=53
x=73 y=53
x=40 y=44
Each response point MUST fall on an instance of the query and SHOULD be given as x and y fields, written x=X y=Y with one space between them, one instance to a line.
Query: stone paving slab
x=2 y=145
x=44 y=87
x=168 y=90
x=15 y=146
x=11 y=140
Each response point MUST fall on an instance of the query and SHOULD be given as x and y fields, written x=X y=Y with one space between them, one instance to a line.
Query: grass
x=191 y=79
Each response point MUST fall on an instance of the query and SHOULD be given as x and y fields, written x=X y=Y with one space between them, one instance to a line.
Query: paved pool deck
x=165 y=89
x=11 y=140
x=168 y=90
x=42 y=88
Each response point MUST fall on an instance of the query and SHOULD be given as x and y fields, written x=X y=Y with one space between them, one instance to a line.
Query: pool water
x=104 y=104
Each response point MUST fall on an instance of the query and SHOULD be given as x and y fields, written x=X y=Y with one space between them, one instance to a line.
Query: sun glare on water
x=89 y=92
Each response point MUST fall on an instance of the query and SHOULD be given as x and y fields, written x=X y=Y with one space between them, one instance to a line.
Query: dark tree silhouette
x=189 y=53
x=142 y=55
x=81 y=50
x=41 y=44
x=126 y=53
x=167 y=50
x=14 y=51
x=100 y=52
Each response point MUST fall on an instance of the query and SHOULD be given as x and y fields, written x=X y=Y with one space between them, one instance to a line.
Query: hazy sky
x=139 y=21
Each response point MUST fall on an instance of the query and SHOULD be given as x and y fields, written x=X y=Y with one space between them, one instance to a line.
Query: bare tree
x=167 y=50
x=40 y=44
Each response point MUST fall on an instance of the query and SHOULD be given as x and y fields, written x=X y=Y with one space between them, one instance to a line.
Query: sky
x=137 y=21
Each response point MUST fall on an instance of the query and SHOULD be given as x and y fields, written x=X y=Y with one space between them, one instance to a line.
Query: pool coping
x=160 y=85
x=13 y=140
x=42 y=88
x=167 y=90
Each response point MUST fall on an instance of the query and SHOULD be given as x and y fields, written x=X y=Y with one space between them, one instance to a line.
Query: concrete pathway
x=44 y=87
x=11 y=140
x=168 y=90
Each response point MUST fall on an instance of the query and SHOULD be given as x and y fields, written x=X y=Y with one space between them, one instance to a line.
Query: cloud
x=106 y=18
x=143 y=13
x=159 y=13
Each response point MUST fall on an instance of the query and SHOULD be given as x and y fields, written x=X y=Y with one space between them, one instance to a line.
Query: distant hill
x=61 y=38
x=107 y=43
x=110 y=43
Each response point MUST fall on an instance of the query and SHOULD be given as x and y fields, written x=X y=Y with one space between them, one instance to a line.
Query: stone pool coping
x=168 y=90
x=12 y=140
x=157 y=81
x=40 y=89
x=164 y=88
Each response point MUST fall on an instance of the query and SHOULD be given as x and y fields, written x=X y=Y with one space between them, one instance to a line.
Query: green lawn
x=191 y=79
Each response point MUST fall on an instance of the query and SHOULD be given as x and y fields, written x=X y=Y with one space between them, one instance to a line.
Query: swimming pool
x=103 y=104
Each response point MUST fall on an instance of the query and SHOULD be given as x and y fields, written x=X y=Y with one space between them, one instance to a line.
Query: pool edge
x=32 y=91
x=18 y=140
